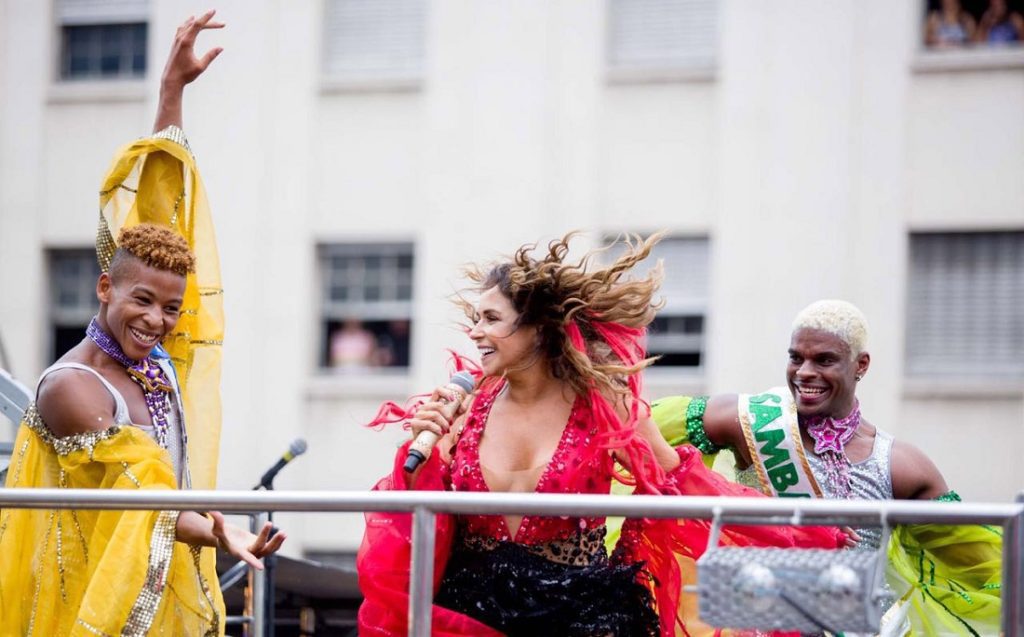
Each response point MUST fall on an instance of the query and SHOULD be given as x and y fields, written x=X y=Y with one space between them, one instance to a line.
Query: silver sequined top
x=870 y=479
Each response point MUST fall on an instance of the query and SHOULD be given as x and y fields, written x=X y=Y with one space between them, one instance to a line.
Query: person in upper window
x=1000 y=25
x=949 y=26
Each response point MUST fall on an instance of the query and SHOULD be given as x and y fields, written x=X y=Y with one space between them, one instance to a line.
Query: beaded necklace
x=830 y=436
x=146 y=373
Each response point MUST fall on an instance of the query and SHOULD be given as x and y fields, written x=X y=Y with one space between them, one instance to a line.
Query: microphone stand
x=268 y=571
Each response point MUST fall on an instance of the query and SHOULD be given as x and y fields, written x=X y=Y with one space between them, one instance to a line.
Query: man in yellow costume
x=133 y=406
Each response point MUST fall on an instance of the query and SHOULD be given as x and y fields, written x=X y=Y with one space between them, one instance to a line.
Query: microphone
x=461 y=383
x=297 y=448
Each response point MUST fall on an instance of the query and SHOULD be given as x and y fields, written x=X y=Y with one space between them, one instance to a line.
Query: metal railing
x=425 y=505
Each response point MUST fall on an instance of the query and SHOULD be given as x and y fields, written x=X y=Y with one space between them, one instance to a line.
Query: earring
x=857 y=378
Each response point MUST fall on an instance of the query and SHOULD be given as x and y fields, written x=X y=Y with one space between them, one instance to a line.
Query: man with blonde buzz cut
x=810 y=440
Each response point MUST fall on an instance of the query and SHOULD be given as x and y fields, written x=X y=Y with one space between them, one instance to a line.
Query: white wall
x=806 y=159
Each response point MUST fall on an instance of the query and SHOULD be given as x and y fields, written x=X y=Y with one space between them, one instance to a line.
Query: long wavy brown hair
x=554 y=296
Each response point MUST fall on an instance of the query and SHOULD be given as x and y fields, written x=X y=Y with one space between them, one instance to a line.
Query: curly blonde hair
x=156 y=246
x=565 y=299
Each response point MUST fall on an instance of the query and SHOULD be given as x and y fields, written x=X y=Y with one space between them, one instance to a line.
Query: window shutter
x=662 y=34
x=81 y=12
x=965 y=310
x=372 y=39
x=685 y=288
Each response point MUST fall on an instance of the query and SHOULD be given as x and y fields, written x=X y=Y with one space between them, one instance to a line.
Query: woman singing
x=556 y=409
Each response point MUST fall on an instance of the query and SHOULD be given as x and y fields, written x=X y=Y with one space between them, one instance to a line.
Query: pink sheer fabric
x=383 y=559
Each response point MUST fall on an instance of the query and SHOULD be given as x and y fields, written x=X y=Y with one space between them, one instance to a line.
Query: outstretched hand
x=242 y=544
x=183 y=67
x=182 y=64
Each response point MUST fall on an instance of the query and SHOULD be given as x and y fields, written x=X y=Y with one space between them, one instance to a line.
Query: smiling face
x=822 y=374
x=504 y=344
x=140 y=305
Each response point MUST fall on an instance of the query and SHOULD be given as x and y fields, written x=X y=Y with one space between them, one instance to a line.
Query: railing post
x=1013 y=573
x=421 y=584
x=258 y=586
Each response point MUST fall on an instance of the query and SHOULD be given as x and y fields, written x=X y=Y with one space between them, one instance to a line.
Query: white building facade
x=358 y=152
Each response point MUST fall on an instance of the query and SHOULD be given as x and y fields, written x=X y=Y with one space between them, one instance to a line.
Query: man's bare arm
x=914 y=475
x=182 y=68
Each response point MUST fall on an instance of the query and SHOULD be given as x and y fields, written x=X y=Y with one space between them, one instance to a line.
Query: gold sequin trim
x=81 y=536
x=161 y=548
x=176 y=135
x=105 y=246
x=748 y=435
x=577 y=550
x=130 y=475
x=189 y=312
x=68 y=444
x=214 y=629
x=92 y=629
x=206 y=342
x=60 y=560
x=177 y=208
x=39 y=575
x=798 y=444
x=120 y=186
x=210 y=291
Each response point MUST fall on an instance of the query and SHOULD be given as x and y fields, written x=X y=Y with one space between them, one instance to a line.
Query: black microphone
x=461 y=384
x=297 y=448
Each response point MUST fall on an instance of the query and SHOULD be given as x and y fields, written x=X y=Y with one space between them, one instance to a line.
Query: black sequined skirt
x=563 y=588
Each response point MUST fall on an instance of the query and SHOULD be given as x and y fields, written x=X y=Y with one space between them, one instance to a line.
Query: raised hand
x=183 y=67
x=182 y=64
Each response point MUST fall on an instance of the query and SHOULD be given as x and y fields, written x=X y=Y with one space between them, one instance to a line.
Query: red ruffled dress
x=553 y=576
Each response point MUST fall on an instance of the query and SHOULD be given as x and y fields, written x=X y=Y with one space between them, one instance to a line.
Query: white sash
x=772 y=433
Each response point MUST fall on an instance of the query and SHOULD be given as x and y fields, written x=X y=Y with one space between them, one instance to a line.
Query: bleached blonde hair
x=839 y=318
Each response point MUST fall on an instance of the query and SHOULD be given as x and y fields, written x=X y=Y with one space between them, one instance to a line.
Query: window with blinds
x=374 y=40
x=965 y=306
x=102 y=39
x=367 y=305
x=677 y=332
x=662 y=35
x=73 y=303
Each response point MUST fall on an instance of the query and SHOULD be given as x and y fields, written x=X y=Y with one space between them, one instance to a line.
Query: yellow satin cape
x=87 y=572
x=155 y=180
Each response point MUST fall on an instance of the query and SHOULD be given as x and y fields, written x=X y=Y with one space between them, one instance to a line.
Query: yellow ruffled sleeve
x=88 y=572
x=156 y=180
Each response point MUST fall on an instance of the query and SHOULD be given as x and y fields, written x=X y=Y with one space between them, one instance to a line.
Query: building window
x=677 y=333
x=973 y=24
x=73 y=302
x=662 y=35
x=102 y=39
x=965 y=309
x=374 y=39
x=367 y=306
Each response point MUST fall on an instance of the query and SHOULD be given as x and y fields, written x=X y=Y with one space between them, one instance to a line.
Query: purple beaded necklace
x=146 y=373
x=830 y=437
